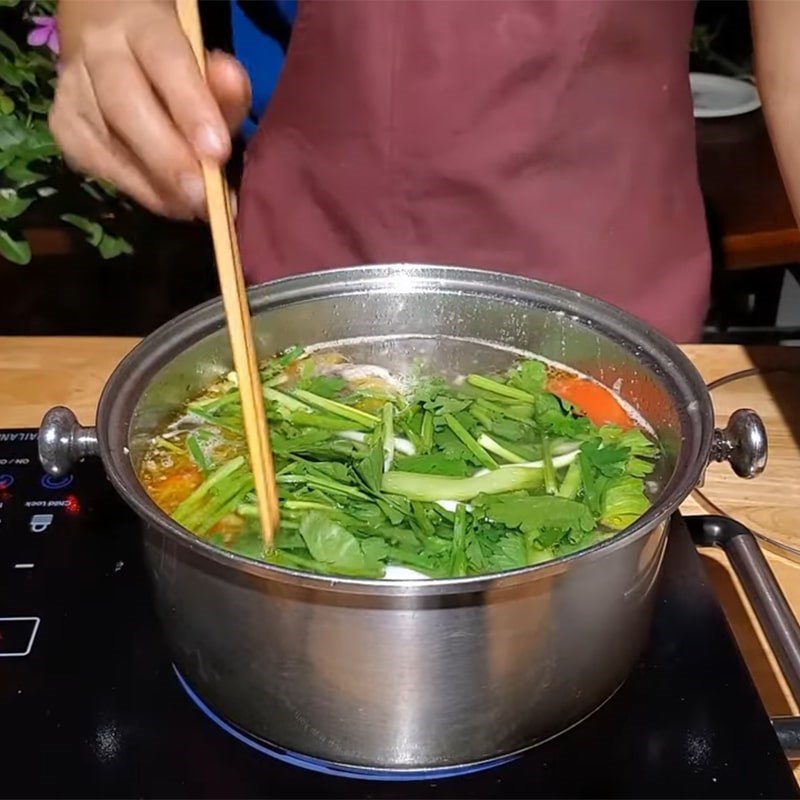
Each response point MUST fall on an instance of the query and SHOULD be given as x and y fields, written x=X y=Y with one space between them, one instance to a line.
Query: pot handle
x=63 y=441
x=742 y=443
x=763 y=592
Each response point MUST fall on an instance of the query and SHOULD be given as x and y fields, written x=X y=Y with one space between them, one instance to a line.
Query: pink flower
x=45 y=33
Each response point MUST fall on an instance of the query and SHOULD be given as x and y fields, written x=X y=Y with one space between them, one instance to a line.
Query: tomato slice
x=592 y=400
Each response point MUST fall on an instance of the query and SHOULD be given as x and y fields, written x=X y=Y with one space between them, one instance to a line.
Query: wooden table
x=36 y=373
x=749 y=218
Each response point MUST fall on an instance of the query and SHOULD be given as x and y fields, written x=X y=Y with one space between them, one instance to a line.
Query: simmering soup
x=382 y=476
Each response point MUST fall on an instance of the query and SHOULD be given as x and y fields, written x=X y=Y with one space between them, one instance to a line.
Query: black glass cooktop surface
x=90 y=704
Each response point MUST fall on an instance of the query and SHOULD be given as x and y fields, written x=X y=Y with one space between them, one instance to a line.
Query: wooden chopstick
x=237 y=311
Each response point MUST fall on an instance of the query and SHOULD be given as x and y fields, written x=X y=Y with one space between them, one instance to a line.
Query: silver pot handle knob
x=742 y=443
x=63 y=441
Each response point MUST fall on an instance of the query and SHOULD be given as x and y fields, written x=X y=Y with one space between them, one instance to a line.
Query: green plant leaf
x=335 y=547
x=41 y=151
x=106 y=186
x=93 y=230
x=108 y=246
x=535 y=513
x=16 y=251
x=6 y=104
x=35 y=135
x=624 y=501
x=434 y=464
x=12 y=132
x=36 y=142
x=11 y=204
x=9 y=74
x=7 y=43
x=9 y=3
x=39 y=105
x=113 y=246
x=91 y=191
x=25 y=73
x=530 y=376
x=91 y=186
x=17 y=172
x=37 y=60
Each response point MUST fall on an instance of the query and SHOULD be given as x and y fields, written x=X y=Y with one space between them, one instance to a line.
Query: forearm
x=776 y=32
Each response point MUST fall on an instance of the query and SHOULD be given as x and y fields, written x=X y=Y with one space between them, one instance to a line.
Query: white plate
x=720 y=96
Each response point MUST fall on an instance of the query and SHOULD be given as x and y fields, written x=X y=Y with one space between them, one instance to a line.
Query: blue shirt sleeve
x=261 y=52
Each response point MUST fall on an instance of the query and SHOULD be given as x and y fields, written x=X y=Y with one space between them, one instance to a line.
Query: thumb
x=229 y=84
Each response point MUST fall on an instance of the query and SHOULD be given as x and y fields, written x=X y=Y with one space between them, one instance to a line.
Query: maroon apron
x=550 y=139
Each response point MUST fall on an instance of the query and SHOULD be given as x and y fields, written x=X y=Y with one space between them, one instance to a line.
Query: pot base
x=332 y=768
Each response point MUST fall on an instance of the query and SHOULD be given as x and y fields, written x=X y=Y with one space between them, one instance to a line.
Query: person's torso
x=551 y=139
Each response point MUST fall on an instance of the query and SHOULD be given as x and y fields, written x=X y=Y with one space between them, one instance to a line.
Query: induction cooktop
x=91 y=705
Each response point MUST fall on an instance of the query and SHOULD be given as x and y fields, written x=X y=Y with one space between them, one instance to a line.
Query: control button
x=6 y=482
x=17 y=635
x=40 y=522
x=51 y=482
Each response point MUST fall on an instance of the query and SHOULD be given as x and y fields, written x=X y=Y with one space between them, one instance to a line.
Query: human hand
x=132 y=107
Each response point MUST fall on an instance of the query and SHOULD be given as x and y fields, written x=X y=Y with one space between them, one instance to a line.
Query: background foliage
x=33 y=175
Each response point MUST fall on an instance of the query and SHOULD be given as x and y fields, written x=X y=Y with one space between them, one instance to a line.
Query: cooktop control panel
x=38 y=516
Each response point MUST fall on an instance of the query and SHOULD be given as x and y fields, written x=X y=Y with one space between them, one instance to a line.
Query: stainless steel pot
x=425 y=674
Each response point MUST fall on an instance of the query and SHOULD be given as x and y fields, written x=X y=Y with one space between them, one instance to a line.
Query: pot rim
x=202 y=320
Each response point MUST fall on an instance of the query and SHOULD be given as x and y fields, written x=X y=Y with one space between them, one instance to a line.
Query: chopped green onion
x=558 y=462
x=550 y=483
x=197 y=454
x=316 y=420
x=481 y=416
x=225 y=471
x=290 y=355
x=492 y=446
x=430 y=488
x=285 y=400
x=308 y=505
x=502 y=389
x=209 y=404
x=232 y=424
x=458 y=556
x=251 y=509
x=168 y=445
x=401 y=445
x=469 y=442
x=426 y=432
x=387 y=413
x=337 y=409
x=321 y=483
x=227 y=506
x=506 y=411
x=572 y=481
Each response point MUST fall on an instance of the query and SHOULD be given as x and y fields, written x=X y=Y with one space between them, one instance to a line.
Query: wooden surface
x=750 y=220
x=38 y=373
x=776 y=489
